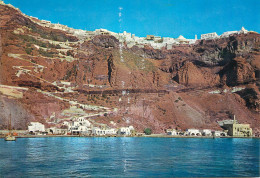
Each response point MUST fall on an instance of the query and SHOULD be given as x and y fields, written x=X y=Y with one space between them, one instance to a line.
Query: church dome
x=181 y=38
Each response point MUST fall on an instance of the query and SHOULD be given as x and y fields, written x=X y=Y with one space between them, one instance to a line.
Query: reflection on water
x=129 y=157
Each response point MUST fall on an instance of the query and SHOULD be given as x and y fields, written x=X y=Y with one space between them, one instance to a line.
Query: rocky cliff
x=50 y=75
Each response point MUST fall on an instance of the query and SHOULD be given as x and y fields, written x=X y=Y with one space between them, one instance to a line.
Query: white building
x=243 y=31
x=171 y=132
x=230 y=33
x=193 y=132
x=57 y=131
x=36 y=127
x=104 y=131
x=219 y=133
x=206 y=132
x=83 y=121
x=209 y=36
x=66 y=123
x=79 y=125
x=182 y=40
x=111 y=131
x=156 y=42
x=79 y=129
x=125 y=130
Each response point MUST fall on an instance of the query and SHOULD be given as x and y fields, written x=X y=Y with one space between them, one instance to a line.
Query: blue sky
x=167 y=18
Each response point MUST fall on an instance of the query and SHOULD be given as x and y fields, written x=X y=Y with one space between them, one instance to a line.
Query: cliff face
x=49 y=75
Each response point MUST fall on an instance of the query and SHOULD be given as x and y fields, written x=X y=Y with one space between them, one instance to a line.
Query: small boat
x=10 y=136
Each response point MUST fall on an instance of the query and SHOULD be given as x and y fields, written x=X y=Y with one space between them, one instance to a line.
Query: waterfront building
x=79 y=125
x=125 y=131
x=111 y=131
x=104 y=131
x=206 y=132
x=209 y=36
x=98 y=131
x=171 y=132
x=193 y=132
x=235 y=129
x=218 y=133
x=57 y=131
x=36 y=127
x=79 y=129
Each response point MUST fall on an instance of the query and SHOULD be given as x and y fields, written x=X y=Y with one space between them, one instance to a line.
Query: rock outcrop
x=190 y=75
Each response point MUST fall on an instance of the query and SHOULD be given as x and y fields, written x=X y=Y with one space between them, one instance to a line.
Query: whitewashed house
x=171 y=132
x=66 y=123
x=82 y=121
x=97 y=131
x=36 y=127
x=209 y=36
x=219 y=133
x=104 y=131
x=78 y=126
x=194 y=132
x=111 y=131
x=125 y=130
x=79 y=129
x=57 y=131
x=206 y=132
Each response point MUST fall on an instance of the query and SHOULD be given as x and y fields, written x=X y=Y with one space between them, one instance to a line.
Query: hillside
x=51 y=75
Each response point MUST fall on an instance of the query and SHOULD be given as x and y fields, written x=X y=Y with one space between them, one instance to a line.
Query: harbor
x=133 y=157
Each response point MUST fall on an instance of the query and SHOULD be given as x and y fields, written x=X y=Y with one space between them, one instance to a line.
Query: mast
x=10 y=123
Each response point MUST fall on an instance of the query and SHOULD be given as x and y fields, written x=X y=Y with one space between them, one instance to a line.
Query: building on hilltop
x=209 y=36
x=243 y=30
x=230 y=33
x=235 y=129
x=150 y=37
x=182 y=40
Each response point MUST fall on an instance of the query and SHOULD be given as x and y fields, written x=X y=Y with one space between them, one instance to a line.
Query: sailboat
x=10 y=136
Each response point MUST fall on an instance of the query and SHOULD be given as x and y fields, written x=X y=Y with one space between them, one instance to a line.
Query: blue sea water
x=129 y=157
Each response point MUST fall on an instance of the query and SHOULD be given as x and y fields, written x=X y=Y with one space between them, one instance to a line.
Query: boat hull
x=10 y=138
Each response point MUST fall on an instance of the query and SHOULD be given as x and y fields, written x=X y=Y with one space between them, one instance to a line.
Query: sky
x=166 y=18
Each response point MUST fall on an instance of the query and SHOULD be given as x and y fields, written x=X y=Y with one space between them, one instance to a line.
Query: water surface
x=129 y=157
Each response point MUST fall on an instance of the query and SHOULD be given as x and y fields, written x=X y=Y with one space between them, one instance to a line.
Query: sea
x=129 y=157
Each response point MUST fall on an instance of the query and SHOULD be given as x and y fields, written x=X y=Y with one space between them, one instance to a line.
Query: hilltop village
x=157 y=42
x=57 y=80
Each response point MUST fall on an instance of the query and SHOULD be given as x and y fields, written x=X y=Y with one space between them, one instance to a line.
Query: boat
x=10 y=136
